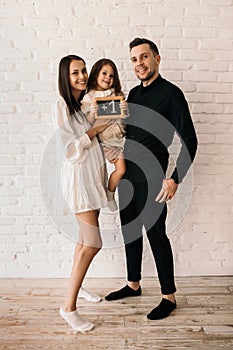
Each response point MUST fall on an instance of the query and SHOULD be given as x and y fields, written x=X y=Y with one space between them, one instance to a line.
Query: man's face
x=145 y=63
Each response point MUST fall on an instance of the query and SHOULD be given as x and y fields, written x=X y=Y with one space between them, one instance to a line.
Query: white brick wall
x=195 y=41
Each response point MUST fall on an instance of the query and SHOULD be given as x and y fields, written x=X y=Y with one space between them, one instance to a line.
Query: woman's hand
x=98 y=126
x=94 y=108
x=111 y=153
x=93 y=112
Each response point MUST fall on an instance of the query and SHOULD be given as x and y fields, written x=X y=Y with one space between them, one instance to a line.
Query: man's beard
x=149 y=76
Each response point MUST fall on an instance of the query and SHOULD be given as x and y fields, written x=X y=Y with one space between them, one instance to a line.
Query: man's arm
x=181 y=119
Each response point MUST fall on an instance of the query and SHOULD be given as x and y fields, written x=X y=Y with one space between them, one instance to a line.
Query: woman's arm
x=74 y=148
x=92 y=113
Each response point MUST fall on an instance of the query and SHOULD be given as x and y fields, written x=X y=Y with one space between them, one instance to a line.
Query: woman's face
x=105 y=78
x=78 y=76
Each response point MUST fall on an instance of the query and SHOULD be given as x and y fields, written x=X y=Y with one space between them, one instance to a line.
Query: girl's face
x=77 y=76
x=105 y=78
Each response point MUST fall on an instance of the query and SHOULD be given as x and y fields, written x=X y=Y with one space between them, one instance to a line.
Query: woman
x=83 y=179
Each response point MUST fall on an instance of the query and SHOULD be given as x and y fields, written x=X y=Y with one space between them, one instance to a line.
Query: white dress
x=83 y=173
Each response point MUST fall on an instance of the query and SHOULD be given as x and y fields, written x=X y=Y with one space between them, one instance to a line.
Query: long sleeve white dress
x=83 y=173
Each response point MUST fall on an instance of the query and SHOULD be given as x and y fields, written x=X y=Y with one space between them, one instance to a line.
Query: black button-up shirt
x=156 y=112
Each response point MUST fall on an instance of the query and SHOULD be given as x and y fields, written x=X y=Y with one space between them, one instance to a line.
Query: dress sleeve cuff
x=85 y=141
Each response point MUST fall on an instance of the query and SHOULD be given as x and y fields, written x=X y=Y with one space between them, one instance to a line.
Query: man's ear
x=157 y=58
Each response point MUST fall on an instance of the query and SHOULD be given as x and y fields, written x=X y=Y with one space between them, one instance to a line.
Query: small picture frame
x=109 y=107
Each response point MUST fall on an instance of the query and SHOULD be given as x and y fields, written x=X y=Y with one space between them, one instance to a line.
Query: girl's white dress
x=114 y=134
x=83 y=176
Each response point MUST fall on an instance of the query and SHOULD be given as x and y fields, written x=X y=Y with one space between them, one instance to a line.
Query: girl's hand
x=124 y=105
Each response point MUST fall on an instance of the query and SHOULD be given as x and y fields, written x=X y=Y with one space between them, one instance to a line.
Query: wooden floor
x=203 y=319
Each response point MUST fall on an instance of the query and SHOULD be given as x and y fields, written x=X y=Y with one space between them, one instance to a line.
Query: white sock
x=112 y=205
x=76 y=321
x=83 y=293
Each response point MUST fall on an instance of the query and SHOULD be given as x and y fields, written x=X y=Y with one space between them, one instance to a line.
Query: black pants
x=137 y=209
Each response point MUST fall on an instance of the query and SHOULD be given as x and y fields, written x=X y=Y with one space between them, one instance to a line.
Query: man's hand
x=168 y=191
x=111 y=153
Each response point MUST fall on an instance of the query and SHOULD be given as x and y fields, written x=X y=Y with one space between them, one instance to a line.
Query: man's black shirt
x=156 y=112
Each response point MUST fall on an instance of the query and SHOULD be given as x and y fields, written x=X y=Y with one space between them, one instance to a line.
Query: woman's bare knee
x=89 y=250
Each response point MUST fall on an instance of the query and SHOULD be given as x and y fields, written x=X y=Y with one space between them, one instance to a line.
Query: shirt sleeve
x=74 y=148
x=182 y=121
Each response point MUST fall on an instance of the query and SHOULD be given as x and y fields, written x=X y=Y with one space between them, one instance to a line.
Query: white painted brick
x=200 y=33
x=186 y=21
x=202 y=11
x=173 y=75
x=37 y=21
x=5 y=44
x=195 y=76
x=179 y=43
x=215 y=44
x=199 y=98
x=195 y=55
x=10 y=21
x=9 y=8
x=213 y=88
x=225 y=77
x=173 y=10
x=212 y=66
x=19 y=33
x=212 y=22
x=130 y=10
x=150 y=20
x=112 y=20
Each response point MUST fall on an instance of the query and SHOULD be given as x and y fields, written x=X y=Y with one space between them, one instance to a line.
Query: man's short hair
x=140 y=41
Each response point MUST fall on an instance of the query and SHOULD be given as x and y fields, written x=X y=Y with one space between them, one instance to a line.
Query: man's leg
x=132 y=232
x=154 y=218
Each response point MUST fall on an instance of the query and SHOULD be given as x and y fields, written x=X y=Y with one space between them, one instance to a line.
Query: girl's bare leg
x=117 y=174
x=114 y=179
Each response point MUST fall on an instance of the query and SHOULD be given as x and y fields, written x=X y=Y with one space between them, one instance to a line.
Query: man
x=157 y=109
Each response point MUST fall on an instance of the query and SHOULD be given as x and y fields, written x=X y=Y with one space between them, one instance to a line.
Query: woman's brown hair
x=64 y=86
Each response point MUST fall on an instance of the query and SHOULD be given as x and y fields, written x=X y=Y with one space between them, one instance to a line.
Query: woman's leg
x=88 y=246
x=83 y=255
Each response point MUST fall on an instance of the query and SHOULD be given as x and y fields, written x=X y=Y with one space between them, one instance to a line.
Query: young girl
x=83 y=179
x=104 y=81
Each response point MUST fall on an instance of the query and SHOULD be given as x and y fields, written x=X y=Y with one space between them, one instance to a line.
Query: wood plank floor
x=203 y=319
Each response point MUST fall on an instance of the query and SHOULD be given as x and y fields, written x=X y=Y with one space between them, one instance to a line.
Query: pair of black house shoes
x=161 y=311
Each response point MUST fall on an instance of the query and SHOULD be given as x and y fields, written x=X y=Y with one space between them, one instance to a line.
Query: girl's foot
x=112 y=205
